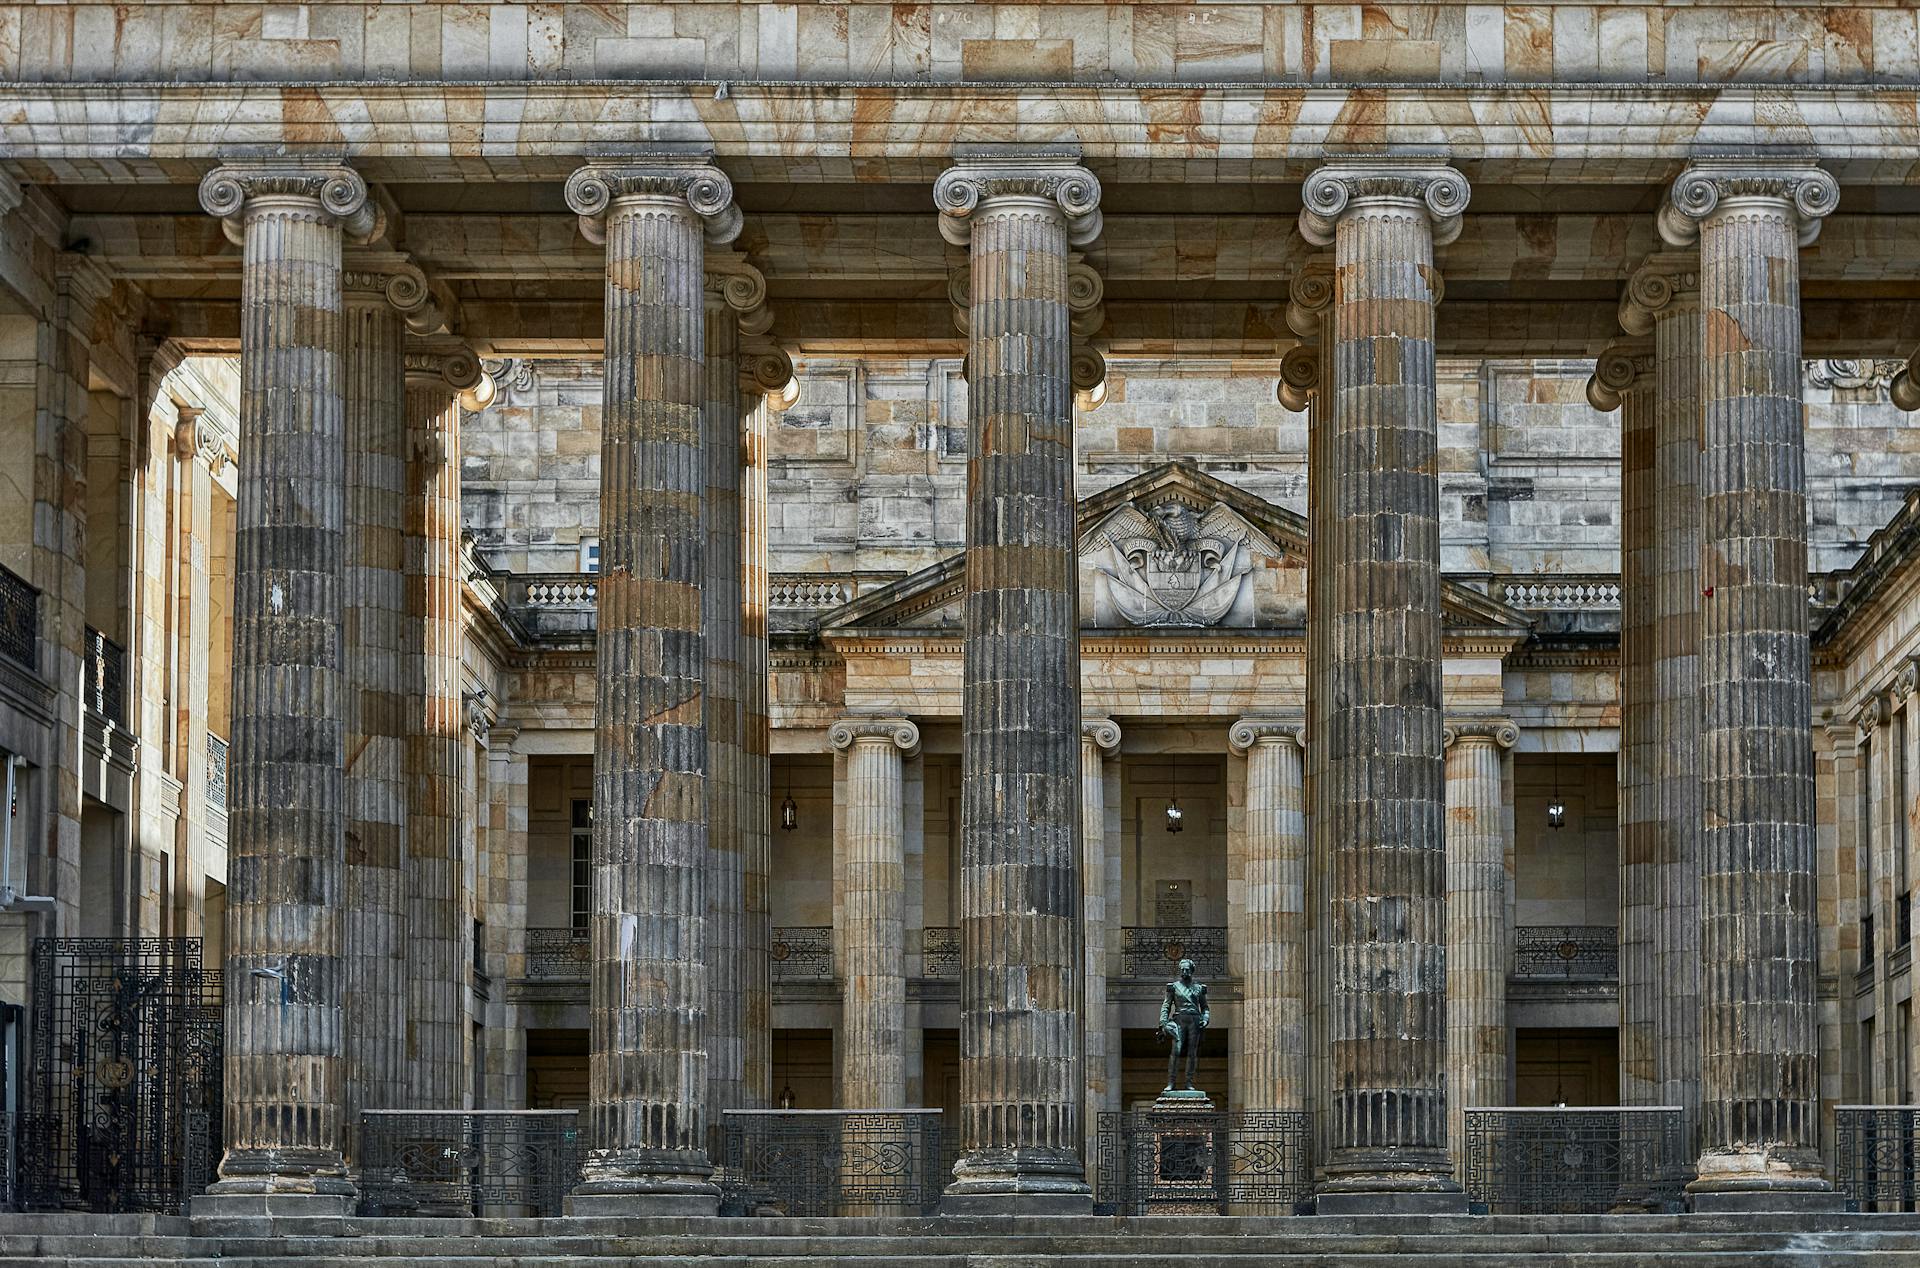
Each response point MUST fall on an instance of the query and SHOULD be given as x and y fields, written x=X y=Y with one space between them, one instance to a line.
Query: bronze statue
x=1183 y=1015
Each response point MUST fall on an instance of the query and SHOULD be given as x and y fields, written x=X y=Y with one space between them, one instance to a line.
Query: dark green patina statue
x=1183 y=1015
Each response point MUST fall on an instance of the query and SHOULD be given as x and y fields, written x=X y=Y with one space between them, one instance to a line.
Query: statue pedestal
x=1185 y=1144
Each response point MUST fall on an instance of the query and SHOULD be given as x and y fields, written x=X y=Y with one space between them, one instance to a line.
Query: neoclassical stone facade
x=671 y=560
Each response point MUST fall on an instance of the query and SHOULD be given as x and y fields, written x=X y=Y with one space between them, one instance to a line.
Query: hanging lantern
x=789 y=814
x=1556 y=813
x=1174 y=816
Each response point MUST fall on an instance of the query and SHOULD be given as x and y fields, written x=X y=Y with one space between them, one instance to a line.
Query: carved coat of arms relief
x=1173 y=564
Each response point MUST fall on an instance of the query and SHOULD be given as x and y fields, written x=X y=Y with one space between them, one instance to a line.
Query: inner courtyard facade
x=672 y=561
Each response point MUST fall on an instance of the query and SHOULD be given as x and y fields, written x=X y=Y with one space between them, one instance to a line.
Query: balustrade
x=19 y=619
x=1565 y=592
x=1188 y=1162
x=1564 y=1160
x=1579 y=953
x=1875 y=1148
x=1157 y=951
x=832 y=1162
x=419 y=1162
x=558 y=953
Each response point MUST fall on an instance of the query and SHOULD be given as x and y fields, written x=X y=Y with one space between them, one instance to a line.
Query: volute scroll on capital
x=1310 y=295
x=1247 y=732
x=196 y=439
x=1667 y=284
x=904 y=734
x=1299 y=376
x=1870 y=715
x=337 y=192
x=402 y=286
x=979 y=178
x=1709 y=185
x=1346 y=183
x=1105 y=734
x=1500 y=731
x=455 y=369
x=766 y=369
x=593 y=192
x=1904 y=388
x=1615 y=372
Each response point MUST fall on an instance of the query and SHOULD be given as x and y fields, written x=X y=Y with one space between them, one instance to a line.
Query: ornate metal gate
x=122 y=1102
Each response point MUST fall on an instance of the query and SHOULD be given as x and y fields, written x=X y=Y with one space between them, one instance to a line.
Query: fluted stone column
x=756 y=772
x=1623 y=380
x=286 y=783
x=1380 y=794
x=737 y=936
x=873 y=1007
x=1269 y=945
x=1099 y=740
x=440 y=382
x=1021 y=1070
x=649 y=984
x=1655 y=382
x=1759 y=1040
x=1478 y=938
x=375 y=938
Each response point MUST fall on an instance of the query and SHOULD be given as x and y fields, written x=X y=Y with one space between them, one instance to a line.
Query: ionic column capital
x=733 y=284
x=1711 y=186
x=1617 y=369
x=1104 y=733
x=452 y=368
x=331 y=192
x=766 y=369
x=1310 y=295
x=984 y=175
x=196 y=439
x=399 y=284
x=1500 y=731
x=1870 y=714
x=900 y=732
x=1904 y=388
x=1348 y=184
x=1667 y=284
x=596 y=190
x=1243 y=735
x=1299 y=376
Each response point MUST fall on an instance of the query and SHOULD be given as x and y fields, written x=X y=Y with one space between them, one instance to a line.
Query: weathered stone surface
x=1268 y=945
x=1021 y=1059
x=1758 y=1044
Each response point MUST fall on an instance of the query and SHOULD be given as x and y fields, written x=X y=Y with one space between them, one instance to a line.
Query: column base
x=1390 y=1182
x=1018 y=1182
x=1758 y=1180
x=277 y=1183
x=622 y=1184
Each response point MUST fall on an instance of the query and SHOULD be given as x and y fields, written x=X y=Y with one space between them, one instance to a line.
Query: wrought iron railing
x=1866 y=943
x=468 y=1161
x=802 y=953
x=1157 y=952
x=216 y=785
x=940 y=951
x=106 y=682
x=1875 y=1151
x=1902 y=920
x=19 y=619
x=831 y=1162
x=1155 y=1162
x=558 y=953
x=1565 y=1160
x=1581 y=953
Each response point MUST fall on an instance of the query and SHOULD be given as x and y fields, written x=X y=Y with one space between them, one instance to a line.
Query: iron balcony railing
x=831 y=1162
x=217 y=785
x=106 y=682
x=940 y=951
x=802 y=953
x=1902 y=920
x=468 y=1162
x=1562 y=1160
x=1579 y=953
x=1157 y=952
x=1194 y=1162
x=558 y=953
x=1875 y=1148
x=19 y=619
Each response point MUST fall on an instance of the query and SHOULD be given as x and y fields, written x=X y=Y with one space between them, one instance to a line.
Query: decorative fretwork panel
x=1579 y=953
x=1875 y=1152
x=1153 y=1162
x=1157 y=952
x=940 y=951
x=558 y=953
x=494 y=1162
x=1563 y=1160
x=802 y=953
x=19 y=619
x=832 y=1162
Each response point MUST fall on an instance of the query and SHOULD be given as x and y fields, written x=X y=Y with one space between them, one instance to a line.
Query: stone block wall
x=868 y=469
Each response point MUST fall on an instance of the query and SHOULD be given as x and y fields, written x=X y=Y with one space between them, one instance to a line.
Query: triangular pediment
x=1170 y=549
